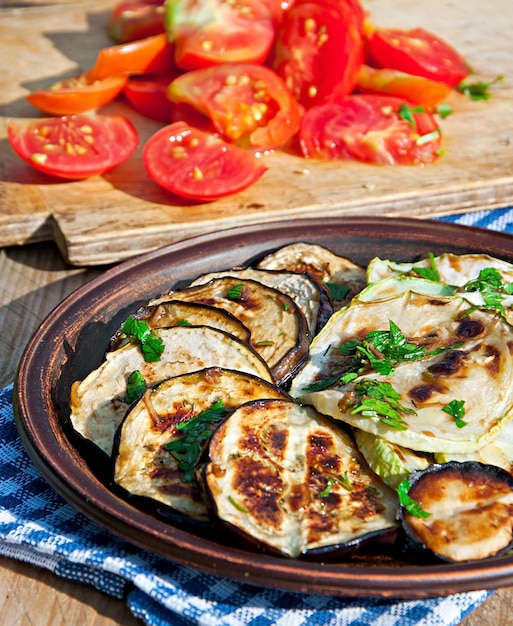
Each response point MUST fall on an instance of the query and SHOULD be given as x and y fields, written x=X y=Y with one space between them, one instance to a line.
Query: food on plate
x=74 y=146
x=161 y=439
x=461 y=511
x=197 y=165
x=286 y=477
x=318 y=447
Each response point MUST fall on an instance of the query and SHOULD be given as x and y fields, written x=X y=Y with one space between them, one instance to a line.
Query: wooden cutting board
x=110 y=218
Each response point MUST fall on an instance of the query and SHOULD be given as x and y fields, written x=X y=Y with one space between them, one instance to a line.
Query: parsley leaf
x=431 y=272
x=490 y=284
x=341 y=480
x=135 y=387
x=444 y=110
x=456 y=408
x=478 y=90
x=235 y=293
x=138 y=332
x=195 y=433
x=380 y=400
x=412 y=506
x=407 y=113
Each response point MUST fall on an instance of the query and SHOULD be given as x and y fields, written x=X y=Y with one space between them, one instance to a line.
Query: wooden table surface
x=34 y=279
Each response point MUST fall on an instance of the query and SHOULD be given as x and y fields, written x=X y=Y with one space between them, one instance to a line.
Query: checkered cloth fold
x=39 y=527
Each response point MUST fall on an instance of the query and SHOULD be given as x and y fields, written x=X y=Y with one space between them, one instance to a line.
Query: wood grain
x=109 y=218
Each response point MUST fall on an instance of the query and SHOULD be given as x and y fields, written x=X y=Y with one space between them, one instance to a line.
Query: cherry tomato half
x=198 y=166
x=209 y=32
x=147 y=95
x=318 y=51
x=153 y=55
x=75 y=146
x=131 y=20
x=416 y=89
x=76 y=95
x=373 y=129
x=248 y=104
x=418 y=52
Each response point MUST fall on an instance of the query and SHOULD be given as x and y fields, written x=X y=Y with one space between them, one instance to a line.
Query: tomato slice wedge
x=76 y=95
x=75 y=146
x=209 y=32
x=370 y=128
x=152 y=55
x=131 y=20
x=198 y=166
x=416 y=51
x=248 y=104
x=147 y=95
x=319 y=50
x=416 y=89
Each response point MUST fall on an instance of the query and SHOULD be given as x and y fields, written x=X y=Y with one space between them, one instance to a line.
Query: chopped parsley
x=135 y=386
x=332 y=480
x=238 y=506
x=407 y=113
x=456 y=408
x=380 y=400
x=444 y=110
x=412 y=506
x=490 y=283
x=429 y=273
x=183 y=322
x=195 y=433
x=138 y=332
x=479 y=90
x=428 y=137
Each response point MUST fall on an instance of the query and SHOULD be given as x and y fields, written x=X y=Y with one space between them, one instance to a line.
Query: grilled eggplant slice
x=466 y=511
x=143 y=465
x=98 y=403
x=289 y=479
x=306 y=292
x=321 y=263
x=178 y=313
x=468 y=358
x=279 y=332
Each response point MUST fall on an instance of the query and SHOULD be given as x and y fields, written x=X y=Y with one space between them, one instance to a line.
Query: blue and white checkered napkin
x=39 y=527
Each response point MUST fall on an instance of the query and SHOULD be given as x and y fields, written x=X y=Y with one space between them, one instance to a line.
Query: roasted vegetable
x=99 y=402
x=148 y=461
x=459 y=511
x=279 y=332
x=291 y=480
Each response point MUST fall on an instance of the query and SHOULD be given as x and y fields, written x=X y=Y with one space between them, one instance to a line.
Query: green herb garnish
x=238 y=506
x=490 y=284
x=444 y=110
x=380 y=400
x=428 y=137
x=412 y=506
x=135 y=386
x=332 y=480
x=429 y=273
x=337 y=291
x=456 y=408
x=407 y=113
x=195 y=433
x=478 y=90
x=235 y=293
x=183 y=322
x=138 y=332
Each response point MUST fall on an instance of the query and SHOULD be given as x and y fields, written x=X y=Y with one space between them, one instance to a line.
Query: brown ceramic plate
x=72 y=340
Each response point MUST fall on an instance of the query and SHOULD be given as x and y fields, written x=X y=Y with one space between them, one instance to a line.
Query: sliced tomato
x=153 y=55
x=373 y=129
x=418 y=52
x=76 y=95
x=148 y=96
x=209 y=32
x=74 y=146
x=198 y=166
x=416 y=89
x=318 y=51
x=131 y=20
x=248 y=104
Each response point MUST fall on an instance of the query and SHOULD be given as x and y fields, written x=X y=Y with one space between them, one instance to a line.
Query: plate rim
x=100 y=505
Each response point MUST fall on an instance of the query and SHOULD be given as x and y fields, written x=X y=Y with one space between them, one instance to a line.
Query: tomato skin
x=418 y=52
x=248 y=104
x=76 y=95
x=152 y=55
x=416 y=89
x=147 y=95
x=131 y=20
x=210 y=32
x=368 y=128
x=198 y=166
x=75 y=146
x=318 y=51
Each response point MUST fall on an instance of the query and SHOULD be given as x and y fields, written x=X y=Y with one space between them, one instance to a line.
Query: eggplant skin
x=470 y=508
x=293 y=482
